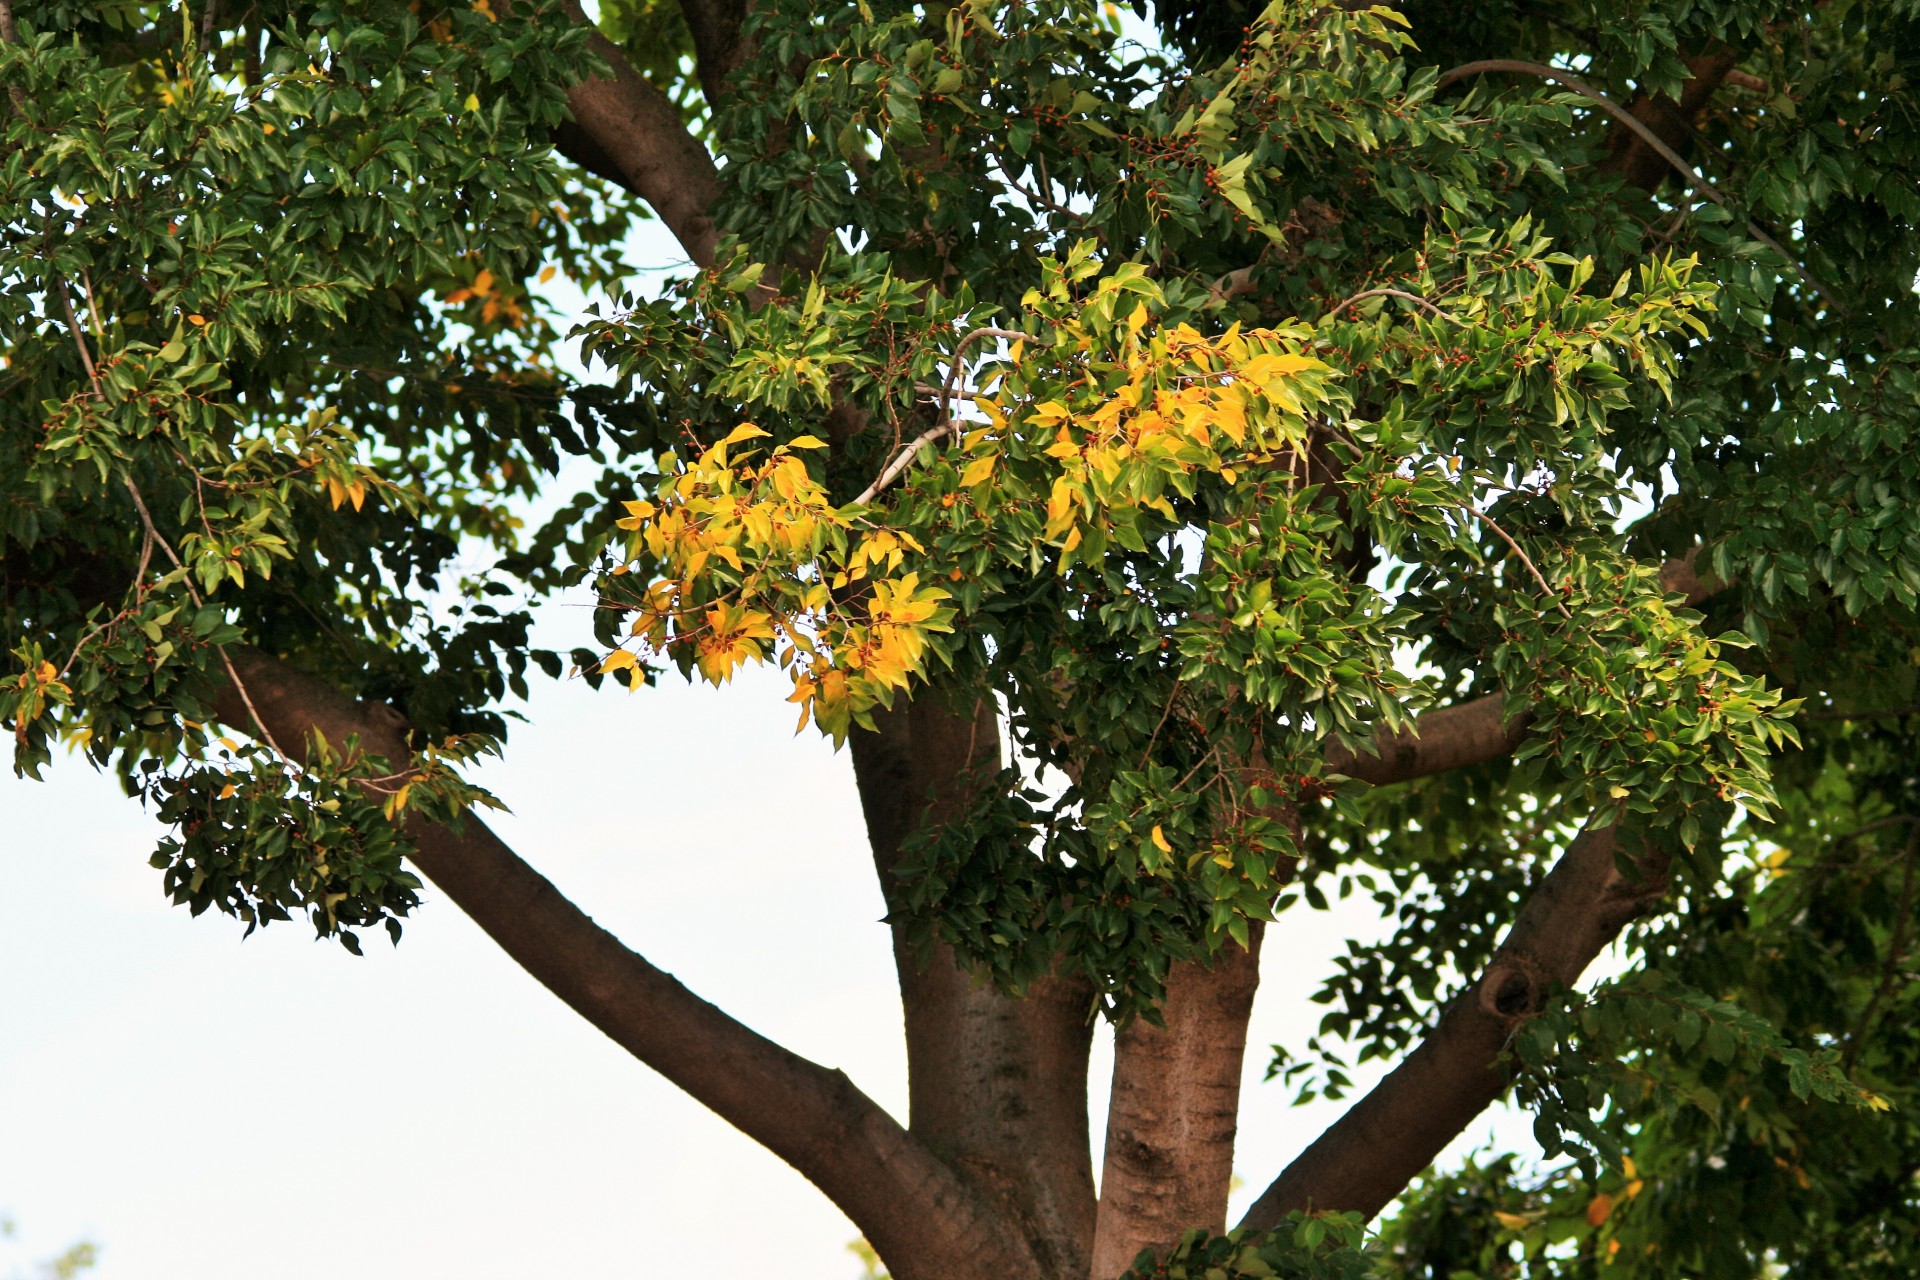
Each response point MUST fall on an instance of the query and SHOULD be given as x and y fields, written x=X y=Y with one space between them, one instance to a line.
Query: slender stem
x=146 y=518
x=79 y=337
x=947 y=423
x=1033 y=197
x=1638 y=127
x=900 y=461
x=1525 y=559
x=1896 y=952
x=1414 y=298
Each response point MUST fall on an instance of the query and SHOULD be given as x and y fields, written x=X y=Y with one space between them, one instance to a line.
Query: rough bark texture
x=1175 y=1110
x=997 y=1086
x=1368 y=1156
x=927 y=1222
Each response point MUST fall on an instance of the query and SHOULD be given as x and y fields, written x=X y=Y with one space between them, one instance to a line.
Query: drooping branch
x=1475 y=732
x=628 y=131
x=1383 y=1141
x=923 y=1219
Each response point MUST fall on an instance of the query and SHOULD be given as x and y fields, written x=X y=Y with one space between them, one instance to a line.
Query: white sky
x=207 y=1109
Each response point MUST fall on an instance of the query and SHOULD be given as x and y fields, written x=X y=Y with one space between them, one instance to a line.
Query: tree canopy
x=1460 y=455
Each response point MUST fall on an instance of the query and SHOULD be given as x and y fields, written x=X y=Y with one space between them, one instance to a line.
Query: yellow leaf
x=1138 y=320
x=196 y=320
x=48 y=673
x=618 y=660
x=473 y=102
x=1512 y=1221
x=1599 y=1209
x=547 y=273
x=806 y=442
x=745 y=431
x=1160 y=840
x=227 y=792
x=266 y=129
x=978 y=471
x=1627 y=1167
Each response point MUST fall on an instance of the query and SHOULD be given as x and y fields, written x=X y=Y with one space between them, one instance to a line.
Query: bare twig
x=1841 y=713
x=1896 y=952
x=1033 y=197
x=193 y=593
x=1402 y=294
x=93 y=308
x=955 y=368
x=901 y=460
x=947 y=424
x=1525 y=559
x=79 y=337
x=1631 y=122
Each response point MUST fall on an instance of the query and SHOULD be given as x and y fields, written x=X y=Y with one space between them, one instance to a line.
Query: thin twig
x=956 y=367
x=1033 y=197
x=1414 y=298
x=1154 y=737
x=1525 y=559
x=79 y=338
x=900 y=461
x=93 y=308
x=253 y=712
x=1839 y=713
x=947 y=423
x=1638 y=127
x=139 y=577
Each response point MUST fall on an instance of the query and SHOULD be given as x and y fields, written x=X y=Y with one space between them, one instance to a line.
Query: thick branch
x=626 y=130
x=1175 y=1111
x=910 y=1205
x=1383 y=1141
x=1475 y=732
x=718 y=49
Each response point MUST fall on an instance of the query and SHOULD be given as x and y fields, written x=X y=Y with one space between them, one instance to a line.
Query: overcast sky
x=208 y=1109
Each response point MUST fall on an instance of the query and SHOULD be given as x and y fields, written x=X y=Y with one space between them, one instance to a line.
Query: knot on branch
x=1514 y=988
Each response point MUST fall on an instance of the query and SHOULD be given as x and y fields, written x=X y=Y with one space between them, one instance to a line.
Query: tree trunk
x=1175 y=1111
x=997 y=1086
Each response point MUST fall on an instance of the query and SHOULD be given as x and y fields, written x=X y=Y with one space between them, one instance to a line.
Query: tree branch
x=718 y=49
x=1368 y=1156
x=913 y=1208
x=1475 y=732
x=1653 y=141
x=628 y=131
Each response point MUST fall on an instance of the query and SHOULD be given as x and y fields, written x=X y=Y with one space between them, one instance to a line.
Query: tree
x=1325 y=449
